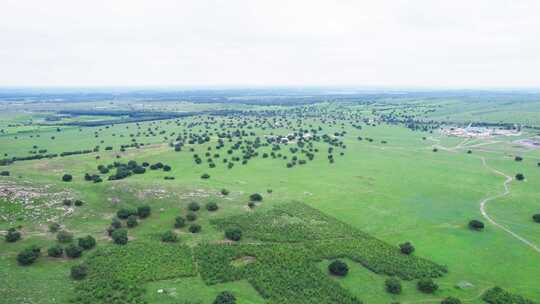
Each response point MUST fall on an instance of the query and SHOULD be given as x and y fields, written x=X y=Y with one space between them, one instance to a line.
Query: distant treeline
x=133 y=116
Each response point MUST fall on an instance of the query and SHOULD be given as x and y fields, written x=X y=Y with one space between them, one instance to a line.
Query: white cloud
x=242 y=42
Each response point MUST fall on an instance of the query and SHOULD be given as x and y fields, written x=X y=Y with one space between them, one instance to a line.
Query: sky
x=417 y=43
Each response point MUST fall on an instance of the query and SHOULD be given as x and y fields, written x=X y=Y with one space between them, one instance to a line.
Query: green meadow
x=371 y=184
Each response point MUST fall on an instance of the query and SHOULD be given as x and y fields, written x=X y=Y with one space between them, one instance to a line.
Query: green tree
x=338 y=268
x=225 y=297
x=120 y=236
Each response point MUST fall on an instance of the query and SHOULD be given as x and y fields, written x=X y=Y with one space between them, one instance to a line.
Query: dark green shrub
x=476 y=225
x=132 y=221
x=73 y=251
x=520 y=176
x=79 y=272
x=144 y=211
x=338 y=268
x=194 y=206
x=78 y=203
x=256 y=197
x=64 y=236
x=55 y=251
x=67 y=177
x=28 y=255
x=191 y=216
x=251 y=204
x=406 y=248
x=179 y=222
x=451 y=300
x=205 y=176
x=116 y=223
x=536 y=217
x=393 y=285
x=87 y=242
x=12 y=235
x=195 y=228
x=119 y=236
x=224 y=192
x=233 y=234
x=54 y=227
x=212 y=206
x=225 y=297
x=169 y=237
x=427 y=285
x=124 y=213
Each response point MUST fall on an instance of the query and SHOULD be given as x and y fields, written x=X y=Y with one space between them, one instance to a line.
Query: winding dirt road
x=483 y=204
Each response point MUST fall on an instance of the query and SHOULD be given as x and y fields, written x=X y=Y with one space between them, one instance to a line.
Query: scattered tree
x=451 y=300
x=476 y=225
x=194 y=206
x=144 y=211
x=73 y=251
x=427 y=285
x=195 y=228
x=233 y=234
x=64 y=236
x=212 y=206
x=406 y=248
x=79 y=272
x=55 y=251
x=132 y=221
x=338 y=268
x=520 y=176
x=67 y=177
x=87 y=242
x=29 y=255
x=225 y=297
x=12 y=235
x=179 y=222
x=169 y=237
x=119 y=236
x=393 y=285
x=256 y=197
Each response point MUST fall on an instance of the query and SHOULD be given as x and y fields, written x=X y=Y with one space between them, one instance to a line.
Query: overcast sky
x=444 y=43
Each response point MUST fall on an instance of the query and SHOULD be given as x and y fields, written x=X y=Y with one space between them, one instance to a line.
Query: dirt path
x=484 y=201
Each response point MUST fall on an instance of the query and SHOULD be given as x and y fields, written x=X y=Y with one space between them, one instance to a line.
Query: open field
x=337 y=180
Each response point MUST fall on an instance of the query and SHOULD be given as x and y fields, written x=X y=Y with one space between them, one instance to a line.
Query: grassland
x=385 y=189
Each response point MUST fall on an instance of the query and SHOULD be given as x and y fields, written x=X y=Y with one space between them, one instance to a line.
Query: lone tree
x=64 y=236
x=233 y=234
x=119 y=236
x=520 y=176
x=12 y=235
x=476 y=225
x=191 y=216
x=256 y=197
x=29 y=255
x=79 y=272
x=194 y=206
x=212 y=206
x=406 y=248
x=225 y=297
x=195 y=228
x=536 y=217
x=393 y=285
x=169 y=237
x=179 y=222
x=338 y=268
x=144 y=211
x=427 y=285
x=451 y=300
x=73 y=251
x=87 y=242
x=67 y=177
x=55 y=251
x=132 y=221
